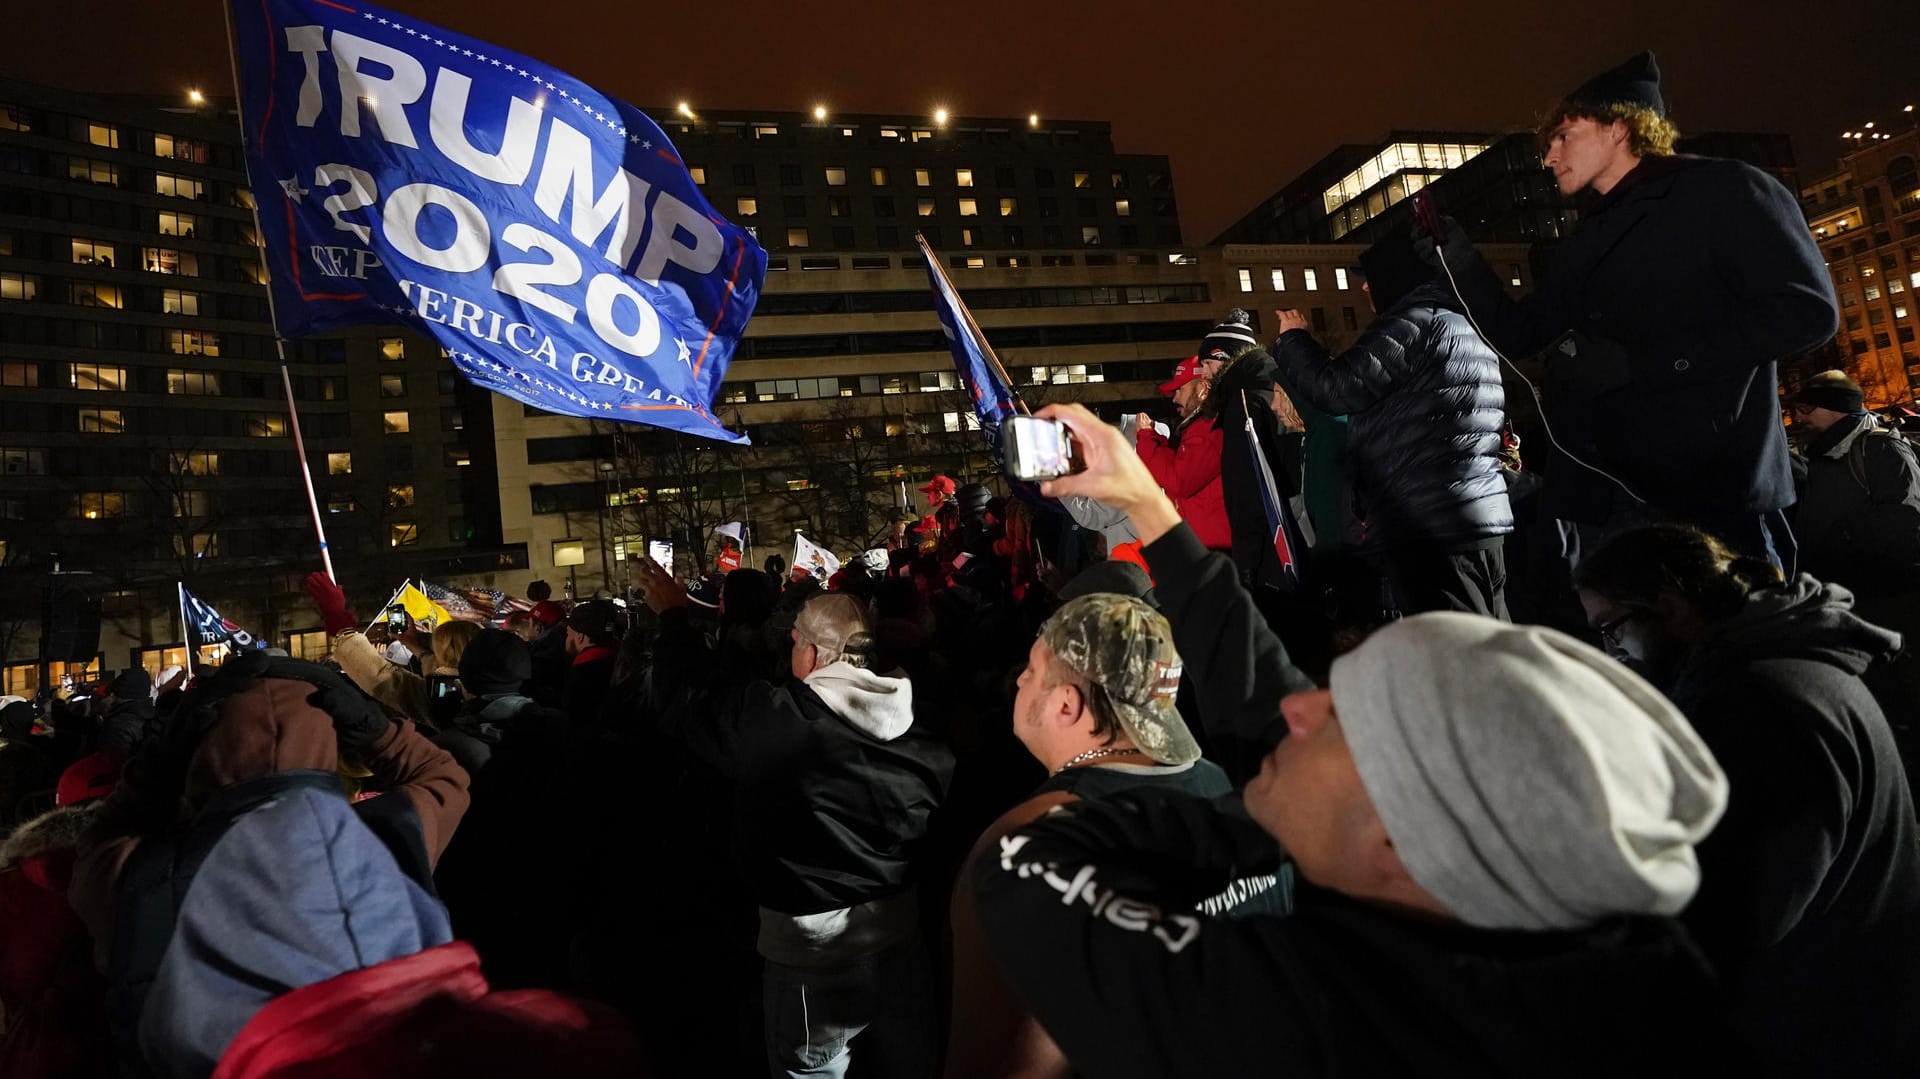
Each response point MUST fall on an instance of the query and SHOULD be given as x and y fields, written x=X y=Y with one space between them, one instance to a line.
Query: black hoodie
x=1809 y=901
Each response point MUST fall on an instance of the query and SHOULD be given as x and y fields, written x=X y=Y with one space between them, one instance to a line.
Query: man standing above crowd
x=1424 y=404
x=1664 y=315
x=1186 y=464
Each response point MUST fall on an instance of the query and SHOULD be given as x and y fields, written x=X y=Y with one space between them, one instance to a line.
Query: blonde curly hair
x=1649 y=134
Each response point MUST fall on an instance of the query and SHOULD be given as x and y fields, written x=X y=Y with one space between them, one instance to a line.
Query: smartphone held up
x=1039 y=449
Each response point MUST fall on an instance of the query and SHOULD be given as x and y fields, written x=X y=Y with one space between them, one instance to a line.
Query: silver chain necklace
x=1093 y=754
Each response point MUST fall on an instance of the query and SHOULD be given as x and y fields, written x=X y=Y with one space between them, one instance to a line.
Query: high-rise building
x=1866 y=218
x=144 y=435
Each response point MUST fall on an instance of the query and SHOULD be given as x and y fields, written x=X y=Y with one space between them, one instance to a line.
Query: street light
x=820 y=112
x=686 y=110
x=196 y=97
x=940 y=116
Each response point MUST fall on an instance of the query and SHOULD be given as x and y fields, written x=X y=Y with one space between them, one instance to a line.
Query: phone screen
x=661 y=551
x=397 y=618
x=1038 y=449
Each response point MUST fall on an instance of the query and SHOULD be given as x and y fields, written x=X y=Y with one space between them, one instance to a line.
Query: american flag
x=476 y=604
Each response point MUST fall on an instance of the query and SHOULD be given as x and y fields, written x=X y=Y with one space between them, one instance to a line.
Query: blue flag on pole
x=547 y=235
x=205 y=627
x=993 y=399
x=1288 y=544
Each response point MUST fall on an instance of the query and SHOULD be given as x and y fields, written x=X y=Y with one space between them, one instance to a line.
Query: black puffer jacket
x=1423 y=396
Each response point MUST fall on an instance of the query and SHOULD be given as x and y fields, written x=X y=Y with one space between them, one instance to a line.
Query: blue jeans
x=883 y=1005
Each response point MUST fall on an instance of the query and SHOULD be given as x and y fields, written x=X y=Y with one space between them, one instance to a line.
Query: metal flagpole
x=279 y=342
x=186 y=628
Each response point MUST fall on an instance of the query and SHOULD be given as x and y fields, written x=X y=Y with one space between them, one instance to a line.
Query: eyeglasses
x=1610 y=631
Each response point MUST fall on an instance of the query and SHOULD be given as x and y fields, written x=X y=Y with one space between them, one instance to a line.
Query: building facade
x=144 y=434
x=1866 y=218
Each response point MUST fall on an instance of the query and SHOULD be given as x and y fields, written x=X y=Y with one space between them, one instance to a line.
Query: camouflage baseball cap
x=1126 y=648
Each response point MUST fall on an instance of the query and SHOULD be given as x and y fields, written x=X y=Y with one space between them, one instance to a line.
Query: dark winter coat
x=1090 y=913
x=1809 y=901
x=1704 y=272
x=1424 y=406
x=1858 y=522
x=127 y=726
x=1243 y=393
x=830 y=804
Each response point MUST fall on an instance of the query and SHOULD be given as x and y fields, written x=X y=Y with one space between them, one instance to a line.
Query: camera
x=1038 y=449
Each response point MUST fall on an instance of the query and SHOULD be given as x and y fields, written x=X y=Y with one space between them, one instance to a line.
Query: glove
x=332 y=602
x=1454 y=245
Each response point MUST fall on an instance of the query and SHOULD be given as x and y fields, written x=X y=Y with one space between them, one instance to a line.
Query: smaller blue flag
x=205 y=627
x=993 y=399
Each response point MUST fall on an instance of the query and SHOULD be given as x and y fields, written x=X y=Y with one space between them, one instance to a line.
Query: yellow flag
x=425 y=613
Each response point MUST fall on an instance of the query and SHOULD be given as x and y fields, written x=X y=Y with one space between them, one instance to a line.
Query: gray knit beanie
x=1527 y=781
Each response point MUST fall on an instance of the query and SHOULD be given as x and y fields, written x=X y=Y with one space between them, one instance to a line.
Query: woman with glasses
x=1809 y=901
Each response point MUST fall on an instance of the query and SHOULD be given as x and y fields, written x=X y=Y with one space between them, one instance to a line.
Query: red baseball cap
x=90 y=777
x=942 y=484
x=1183 y=372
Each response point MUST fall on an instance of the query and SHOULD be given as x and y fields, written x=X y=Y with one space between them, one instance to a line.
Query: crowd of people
x=1095 y=779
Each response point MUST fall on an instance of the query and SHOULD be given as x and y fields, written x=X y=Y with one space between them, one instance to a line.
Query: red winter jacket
x=425 y=1016
x=56 y=1019
x=1190 y=474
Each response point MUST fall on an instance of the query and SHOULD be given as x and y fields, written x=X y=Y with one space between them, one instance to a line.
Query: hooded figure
x=260 y=732
x=1809 y=904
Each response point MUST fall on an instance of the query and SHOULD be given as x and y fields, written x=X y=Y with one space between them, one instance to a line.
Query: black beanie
x=1229 y=339
x=495 y=663
x=1635 y=82
x=133 y=685
x=1834 y=390
x=1392 y=269
x=596 y=620
x=1115 y=575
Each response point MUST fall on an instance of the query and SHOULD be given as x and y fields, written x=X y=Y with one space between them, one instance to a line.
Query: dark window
x=1043 y=177
x=794 y=205
x=886 y=236
x=843 y=236
x=1049 y=206
x=1013 y=236
x=1084 y=207
x=1320 y=319
x=1003 y=177
x=1349 y=318
x=883 y=206
x=743 y=175
x=839 y=206
x=790 y=176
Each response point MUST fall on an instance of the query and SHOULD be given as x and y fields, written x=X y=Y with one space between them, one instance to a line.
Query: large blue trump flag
x=993 y=399
x=546 y=234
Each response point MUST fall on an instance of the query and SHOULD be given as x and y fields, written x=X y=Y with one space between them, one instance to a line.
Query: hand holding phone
x=396 y=619
x=1039 y=449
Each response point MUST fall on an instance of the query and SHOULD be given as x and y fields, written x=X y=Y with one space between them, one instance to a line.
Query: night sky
x=1242 y=96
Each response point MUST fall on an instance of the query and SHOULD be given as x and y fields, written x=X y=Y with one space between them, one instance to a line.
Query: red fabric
x=425 y=1016
x=54 y=1000
x=729 y=560
x=1190 y=474
x=595 y=652
x=331 y=601
x=1183 y=372
x=1130 y=552
x=92 y=776
x=548 y=612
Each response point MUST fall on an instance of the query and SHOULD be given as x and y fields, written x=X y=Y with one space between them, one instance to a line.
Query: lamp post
x=606 y=499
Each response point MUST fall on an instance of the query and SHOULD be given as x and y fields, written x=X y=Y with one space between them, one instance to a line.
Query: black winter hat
x=1634 y=82
x=1233 y=336
x=133 y=685
x=495 y=663
x=1116 y=576
x=597 y=620
x=1832 y=389
x=1392 y=269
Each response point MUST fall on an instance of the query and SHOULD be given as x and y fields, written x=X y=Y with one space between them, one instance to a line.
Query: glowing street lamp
x=819 y=112
x=940 y=115
x=196 y=97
